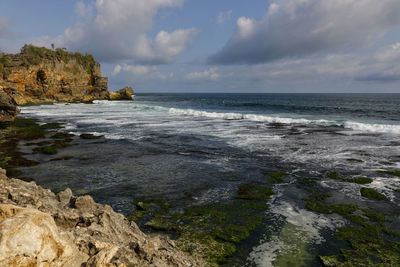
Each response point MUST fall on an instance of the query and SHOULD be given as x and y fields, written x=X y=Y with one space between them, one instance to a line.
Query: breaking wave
x=357 y=126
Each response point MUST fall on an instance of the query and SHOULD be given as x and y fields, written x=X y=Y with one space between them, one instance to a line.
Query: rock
x=8 y=107
x=85 y=204
x=29 y=237
x=38 y=224
x=125 y=93
x=40 y=75
x=65 y=197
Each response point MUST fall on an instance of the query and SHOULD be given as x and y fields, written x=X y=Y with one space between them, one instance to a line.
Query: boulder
x=125 y=93
x=29 y=237
x=8 y=107
x=40 y=228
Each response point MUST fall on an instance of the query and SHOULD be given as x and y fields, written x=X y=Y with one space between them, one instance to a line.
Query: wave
x=357 y=126
x=250 y=117
x=373 y=128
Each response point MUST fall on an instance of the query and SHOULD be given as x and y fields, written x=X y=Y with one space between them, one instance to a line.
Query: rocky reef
x=125 y=93
x=40 y=228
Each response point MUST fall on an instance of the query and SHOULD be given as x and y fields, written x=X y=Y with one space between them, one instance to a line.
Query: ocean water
x=196 y=148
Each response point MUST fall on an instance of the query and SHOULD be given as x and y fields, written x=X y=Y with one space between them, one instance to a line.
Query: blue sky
x=221 y=45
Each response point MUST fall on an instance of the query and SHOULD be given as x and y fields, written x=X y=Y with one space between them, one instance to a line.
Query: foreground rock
x=8 y=107
x=39 y=228
x=125 y=93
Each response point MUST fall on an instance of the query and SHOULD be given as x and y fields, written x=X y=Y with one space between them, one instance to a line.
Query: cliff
x=40 y=228
x=39 y=75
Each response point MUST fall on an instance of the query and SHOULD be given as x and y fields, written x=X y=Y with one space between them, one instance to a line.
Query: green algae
x=370 y=241
x=371 y=193
x=10 y=134
x=48 y=150
x=334 y=175
x=362 y=180
x=209 y=230
x=28 y=130
x=296 y=251
x=276 y=177
x=394 y=172
x=90 y=136
x=254 y=192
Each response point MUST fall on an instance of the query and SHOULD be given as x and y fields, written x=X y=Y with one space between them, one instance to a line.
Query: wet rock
x=8 y=107
x=125 y=93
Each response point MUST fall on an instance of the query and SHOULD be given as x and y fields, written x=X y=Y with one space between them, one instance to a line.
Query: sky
x=234 y=46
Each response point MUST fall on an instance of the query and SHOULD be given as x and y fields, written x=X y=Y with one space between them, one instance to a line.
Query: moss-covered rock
x=393 y=172
x=212 y=230
x=371 y=193
x=90 y=136
x=48 y=150
x=276 y=177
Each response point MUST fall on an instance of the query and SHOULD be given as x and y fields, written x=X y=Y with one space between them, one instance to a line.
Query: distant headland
x=39 y=75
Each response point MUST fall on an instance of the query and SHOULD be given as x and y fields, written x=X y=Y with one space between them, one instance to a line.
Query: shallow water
x=197 y=148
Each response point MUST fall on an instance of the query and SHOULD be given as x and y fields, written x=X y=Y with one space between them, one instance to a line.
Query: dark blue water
x=343 y=106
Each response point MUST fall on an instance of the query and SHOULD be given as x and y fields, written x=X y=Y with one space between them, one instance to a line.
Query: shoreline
x=217 y=237
x=64 y=230
x=82 y=231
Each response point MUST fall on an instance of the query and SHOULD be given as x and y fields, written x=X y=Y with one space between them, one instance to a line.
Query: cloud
x=296 y=28
x=117 y=30
x=137 y=73
x=211 y=74
x=379 y=66
x=224 y=16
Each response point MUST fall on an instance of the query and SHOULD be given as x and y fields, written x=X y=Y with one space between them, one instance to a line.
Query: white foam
x=374 y=128
x=250 y=117
x=306 y=226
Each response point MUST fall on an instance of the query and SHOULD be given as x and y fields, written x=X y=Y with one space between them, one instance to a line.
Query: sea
x=194 y=149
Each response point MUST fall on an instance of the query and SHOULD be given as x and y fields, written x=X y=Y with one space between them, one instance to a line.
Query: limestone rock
x=82 y=231
x=8 y=107
x=65 y=197
x=125 y=93
x=41 y=75
x=29 y=237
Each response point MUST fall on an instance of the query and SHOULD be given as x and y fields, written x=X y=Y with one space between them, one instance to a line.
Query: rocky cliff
x=40 y=228
x=38 y=75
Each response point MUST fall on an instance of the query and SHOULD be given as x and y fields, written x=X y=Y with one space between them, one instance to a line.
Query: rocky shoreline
x=39 y=75
x=41 y=228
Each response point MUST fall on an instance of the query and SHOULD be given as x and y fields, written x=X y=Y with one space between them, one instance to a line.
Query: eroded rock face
x=8 y=107
x=74 y=230
x=38 y=75
x=125 y=93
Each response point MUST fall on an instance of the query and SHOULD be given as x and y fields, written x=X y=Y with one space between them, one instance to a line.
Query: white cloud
x=117 y=30
x=211 y=74
x=224 y=16
x=83 y=10
x=295 y=28
x=137 y=73
x=380 y=66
